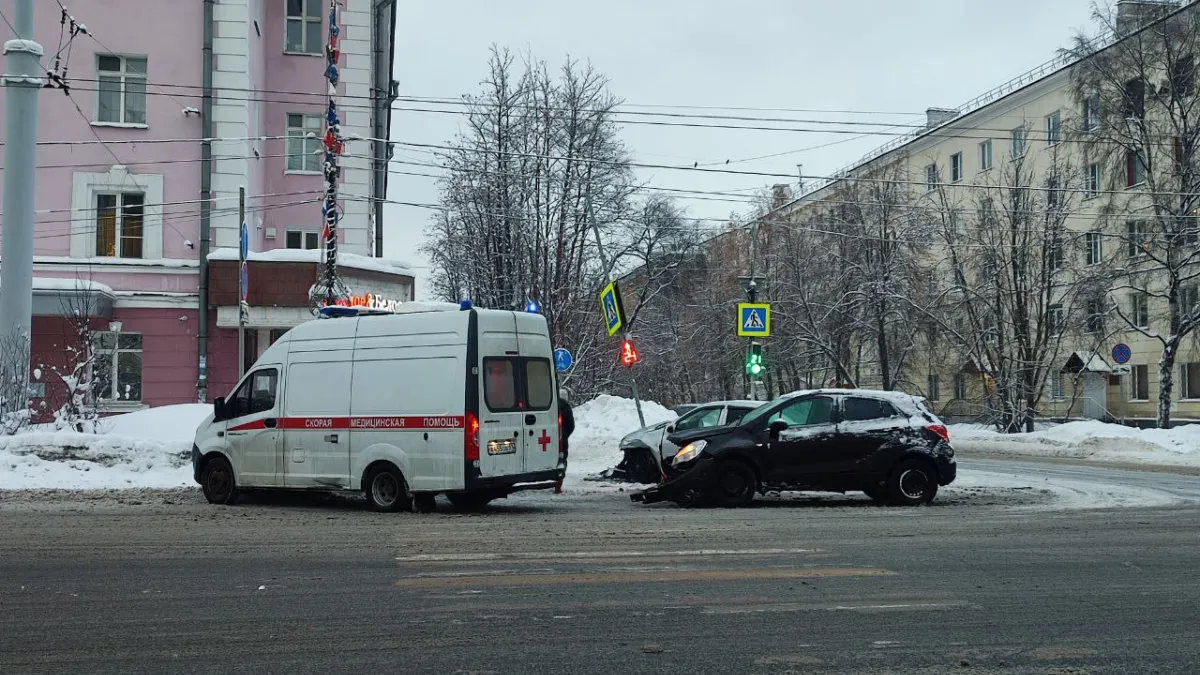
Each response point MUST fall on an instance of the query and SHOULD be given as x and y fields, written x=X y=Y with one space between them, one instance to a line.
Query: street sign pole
x=1121 y=353
x=591 y=215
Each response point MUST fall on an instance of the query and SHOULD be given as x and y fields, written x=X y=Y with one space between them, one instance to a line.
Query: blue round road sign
x=1121 y=353
x=563 y=360
x=245 y=242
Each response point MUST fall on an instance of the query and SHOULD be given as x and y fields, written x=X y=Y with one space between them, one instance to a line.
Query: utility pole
x=637 y=401
x=22 y=79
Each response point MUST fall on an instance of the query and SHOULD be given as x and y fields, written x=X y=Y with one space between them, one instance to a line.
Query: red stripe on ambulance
x=365 y=423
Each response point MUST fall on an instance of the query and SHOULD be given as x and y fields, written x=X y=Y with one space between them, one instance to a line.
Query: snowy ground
x=149 y=450
x=1089 y=441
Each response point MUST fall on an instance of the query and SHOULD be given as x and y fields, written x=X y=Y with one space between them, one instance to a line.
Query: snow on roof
x=1089 y=361
x=57 y=284
x=352 y=260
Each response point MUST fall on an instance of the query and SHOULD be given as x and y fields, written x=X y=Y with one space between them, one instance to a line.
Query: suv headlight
x=689 y=452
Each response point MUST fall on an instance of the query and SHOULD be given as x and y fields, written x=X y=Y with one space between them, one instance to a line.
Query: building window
x=1018 y=142
x=1057 y=256
x=1183 y=76
x=1054 y=128
x=985 y=155
x=931 y=177
x=1057 y=391
x=1094 y=247
x=1189 y=299
x=1095 y=316
x=1139 y=389
x=960 y=387
x=120 y=89
x=304 y=35
x=1189 y=381
x=1091 y=181
x=1091 y=112
x=956 y=167
x=1138 y=237
x=304 y=151
x=1056 y=320
x=117 y=366
x=1139 y=310
x=956 y=222
x=1133 y=100
x=120 y=225
x=307 y=241
x=933 y=393
x=1135 y=167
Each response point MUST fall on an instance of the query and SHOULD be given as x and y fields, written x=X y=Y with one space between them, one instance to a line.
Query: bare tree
x=15 y=402
x=1010 y=297
x=538 y=162
x=78 y=411
x=1140 y=125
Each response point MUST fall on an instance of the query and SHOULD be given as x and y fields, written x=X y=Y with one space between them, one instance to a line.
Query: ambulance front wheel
x=386 y=489
x=218 y=482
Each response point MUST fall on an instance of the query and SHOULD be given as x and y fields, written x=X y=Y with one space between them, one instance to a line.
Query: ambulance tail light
x=471 y=440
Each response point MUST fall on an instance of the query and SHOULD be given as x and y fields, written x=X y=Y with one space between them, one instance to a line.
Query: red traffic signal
x=629 y=355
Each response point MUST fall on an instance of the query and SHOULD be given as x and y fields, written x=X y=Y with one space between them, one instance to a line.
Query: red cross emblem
x=544 y=441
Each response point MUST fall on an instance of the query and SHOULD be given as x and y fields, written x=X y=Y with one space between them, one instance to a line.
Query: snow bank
x=600 y=424
x=146 y=449
x=1089 y=440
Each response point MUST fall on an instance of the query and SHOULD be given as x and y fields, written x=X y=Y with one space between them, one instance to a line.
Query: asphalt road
x=999 y=581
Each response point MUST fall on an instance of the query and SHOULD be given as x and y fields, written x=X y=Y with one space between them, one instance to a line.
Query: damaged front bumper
x=694 y=478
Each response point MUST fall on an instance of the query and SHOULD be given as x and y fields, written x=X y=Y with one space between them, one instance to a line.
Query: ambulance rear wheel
x=470 y=501
x=386 y=489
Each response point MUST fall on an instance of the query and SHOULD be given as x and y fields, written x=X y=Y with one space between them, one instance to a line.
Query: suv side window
x=256 y=395
x=806 y=412
x=699 y=419
x=735 y=415
x=858 y=409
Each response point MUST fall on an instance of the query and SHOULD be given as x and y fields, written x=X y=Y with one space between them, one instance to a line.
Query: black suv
x=886 y=444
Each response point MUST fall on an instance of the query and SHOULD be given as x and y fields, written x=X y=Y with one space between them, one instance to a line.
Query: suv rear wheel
x=912 y=482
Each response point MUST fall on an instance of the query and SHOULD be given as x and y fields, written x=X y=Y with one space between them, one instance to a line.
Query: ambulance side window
x=499 y=385
x=256 y=395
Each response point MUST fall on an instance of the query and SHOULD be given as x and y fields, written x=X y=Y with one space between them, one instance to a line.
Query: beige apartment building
x=1038 y=123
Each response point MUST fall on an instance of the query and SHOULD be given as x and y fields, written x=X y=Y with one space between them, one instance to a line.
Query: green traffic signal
x=754 y=364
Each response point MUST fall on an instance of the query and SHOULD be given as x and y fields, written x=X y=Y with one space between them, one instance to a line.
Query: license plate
x=505 y=447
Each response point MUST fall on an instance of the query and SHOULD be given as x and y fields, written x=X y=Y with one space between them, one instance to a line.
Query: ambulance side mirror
x=219 y=409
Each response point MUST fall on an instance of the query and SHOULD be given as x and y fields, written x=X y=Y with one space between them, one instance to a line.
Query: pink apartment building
x=123 y=172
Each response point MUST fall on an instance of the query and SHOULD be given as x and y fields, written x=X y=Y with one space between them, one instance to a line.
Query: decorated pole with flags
x=243 y=282
x=329 y=288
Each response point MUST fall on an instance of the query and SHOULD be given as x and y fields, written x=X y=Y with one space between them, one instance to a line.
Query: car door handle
x=531 y=419
x=270 y=423
x=331 y=438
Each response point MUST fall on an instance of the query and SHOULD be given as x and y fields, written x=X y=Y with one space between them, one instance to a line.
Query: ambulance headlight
x=689 y=452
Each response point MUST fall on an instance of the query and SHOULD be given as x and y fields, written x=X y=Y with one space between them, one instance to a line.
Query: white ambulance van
x=401 y=406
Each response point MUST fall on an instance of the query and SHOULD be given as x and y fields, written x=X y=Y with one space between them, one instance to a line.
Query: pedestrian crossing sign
x=754 y=320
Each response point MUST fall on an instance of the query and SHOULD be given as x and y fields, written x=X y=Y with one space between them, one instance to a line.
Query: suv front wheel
x=912 y=482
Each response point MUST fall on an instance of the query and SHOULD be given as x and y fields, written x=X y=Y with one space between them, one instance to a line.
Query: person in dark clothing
x=566 y=418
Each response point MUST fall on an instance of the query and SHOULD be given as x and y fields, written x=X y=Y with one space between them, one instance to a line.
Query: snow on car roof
x=876 y=393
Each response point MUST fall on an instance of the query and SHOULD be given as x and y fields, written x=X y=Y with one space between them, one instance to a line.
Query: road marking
x=690 y=577
x=796 y=607
x=596 y=555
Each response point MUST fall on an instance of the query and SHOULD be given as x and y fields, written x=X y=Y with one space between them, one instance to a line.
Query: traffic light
x=754 y=363
x=629 y=355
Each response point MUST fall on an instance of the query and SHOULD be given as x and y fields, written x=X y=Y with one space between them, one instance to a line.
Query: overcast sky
x=870 y=56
